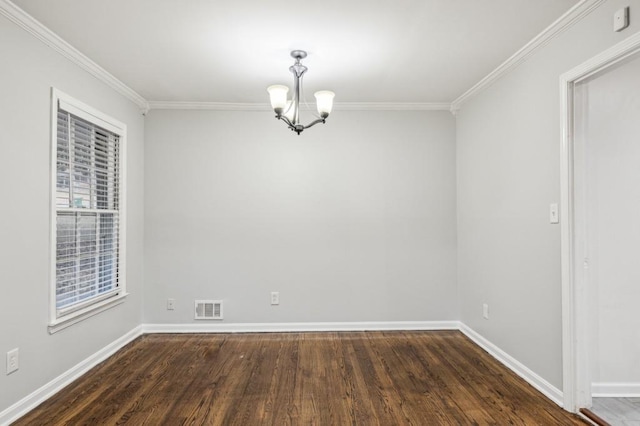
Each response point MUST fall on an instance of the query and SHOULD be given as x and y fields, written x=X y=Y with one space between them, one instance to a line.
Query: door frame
x=576 y=379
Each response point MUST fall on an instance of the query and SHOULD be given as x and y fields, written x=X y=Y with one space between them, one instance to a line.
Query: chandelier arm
x=313 y=123
x=286 y=120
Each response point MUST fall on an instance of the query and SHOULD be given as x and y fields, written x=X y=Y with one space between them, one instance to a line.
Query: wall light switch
x=275 y=298
x=621 y=19
x=554 y=214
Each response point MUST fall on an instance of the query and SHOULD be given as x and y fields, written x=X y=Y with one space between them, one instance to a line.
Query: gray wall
x=350 y=221
x=29 y=69
x=508 y=156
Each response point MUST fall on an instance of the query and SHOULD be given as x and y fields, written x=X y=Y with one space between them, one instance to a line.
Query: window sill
x=76 y=317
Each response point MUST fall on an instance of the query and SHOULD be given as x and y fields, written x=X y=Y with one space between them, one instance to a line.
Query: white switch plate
x=554 y=216
x=485 y=311
x=171 y=304
x=13 y=360
x=621 y=19
x=275 y=298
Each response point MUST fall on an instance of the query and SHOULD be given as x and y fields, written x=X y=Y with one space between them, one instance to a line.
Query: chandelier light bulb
x=278 y=95
x=324 y=102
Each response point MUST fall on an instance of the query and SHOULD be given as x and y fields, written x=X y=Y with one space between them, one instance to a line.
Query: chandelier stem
x=296 y=98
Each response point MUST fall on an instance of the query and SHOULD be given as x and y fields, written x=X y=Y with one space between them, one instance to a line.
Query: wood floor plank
x=380 y=386
x=358 y=397
x=281 y=399
x=351 y=378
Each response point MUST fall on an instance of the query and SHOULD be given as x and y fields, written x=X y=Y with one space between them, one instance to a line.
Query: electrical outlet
x=171 y=304
x=275 y=298
x=13 y=360
x=485 y=311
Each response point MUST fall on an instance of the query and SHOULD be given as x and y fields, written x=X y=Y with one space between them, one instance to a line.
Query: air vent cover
x=208 y=309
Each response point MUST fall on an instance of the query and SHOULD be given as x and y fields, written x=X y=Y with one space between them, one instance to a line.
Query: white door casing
x=576 y=371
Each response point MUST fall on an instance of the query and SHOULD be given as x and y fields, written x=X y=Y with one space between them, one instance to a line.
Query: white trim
x=615 y=390
x=300 y=327
x=53 y=161
x=89 y=311
x=611 y=56
x=339 y=106
x=550 y=391
x=576 y=375
x=86 y=112
x=393 y=106
x=566 y=251
x=212 y=106
x=566 y=21
x=48 y=37
x=60 y=100
x=40 y=395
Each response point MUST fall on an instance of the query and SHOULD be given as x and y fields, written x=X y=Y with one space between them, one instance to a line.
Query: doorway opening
x=600 y=155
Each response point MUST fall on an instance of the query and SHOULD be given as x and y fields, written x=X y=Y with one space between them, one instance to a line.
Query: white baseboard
x=615 y=390
x=550 y=391
x=40 y=395
x=211 y=327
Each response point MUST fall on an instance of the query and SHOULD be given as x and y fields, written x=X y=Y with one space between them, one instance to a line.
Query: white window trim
x=86 y=112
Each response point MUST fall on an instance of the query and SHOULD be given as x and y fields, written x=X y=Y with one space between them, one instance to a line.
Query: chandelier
x=289 y=110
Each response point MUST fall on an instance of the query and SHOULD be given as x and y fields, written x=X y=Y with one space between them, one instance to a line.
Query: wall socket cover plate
x=13 y=360
x=485 y=311
x=621 y=19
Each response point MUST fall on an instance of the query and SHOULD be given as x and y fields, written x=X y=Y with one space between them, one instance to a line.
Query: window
x=87 y=211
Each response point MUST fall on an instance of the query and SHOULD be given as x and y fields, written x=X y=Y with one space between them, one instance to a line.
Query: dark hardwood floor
x=354 y=378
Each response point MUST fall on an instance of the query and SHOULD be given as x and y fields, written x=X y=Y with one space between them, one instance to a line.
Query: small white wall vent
x=208 y=309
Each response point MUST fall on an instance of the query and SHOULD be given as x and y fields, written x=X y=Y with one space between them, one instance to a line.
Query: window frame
x=60 y=100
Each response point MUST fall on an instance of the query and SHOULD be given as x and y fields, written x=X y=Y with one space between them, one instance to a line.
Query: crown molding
x=48 y=37
x=392 y=106
x=566 y=21
x=210 y=106
x=340 y=106
x=37 y=29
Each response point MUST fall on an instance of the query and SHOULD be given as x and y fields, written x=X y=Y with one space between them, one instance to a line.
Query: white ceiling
x=364 y=50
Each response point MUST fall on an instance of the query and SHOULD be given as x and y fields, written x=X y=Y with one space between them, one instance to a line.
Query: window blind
x=87 y=203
